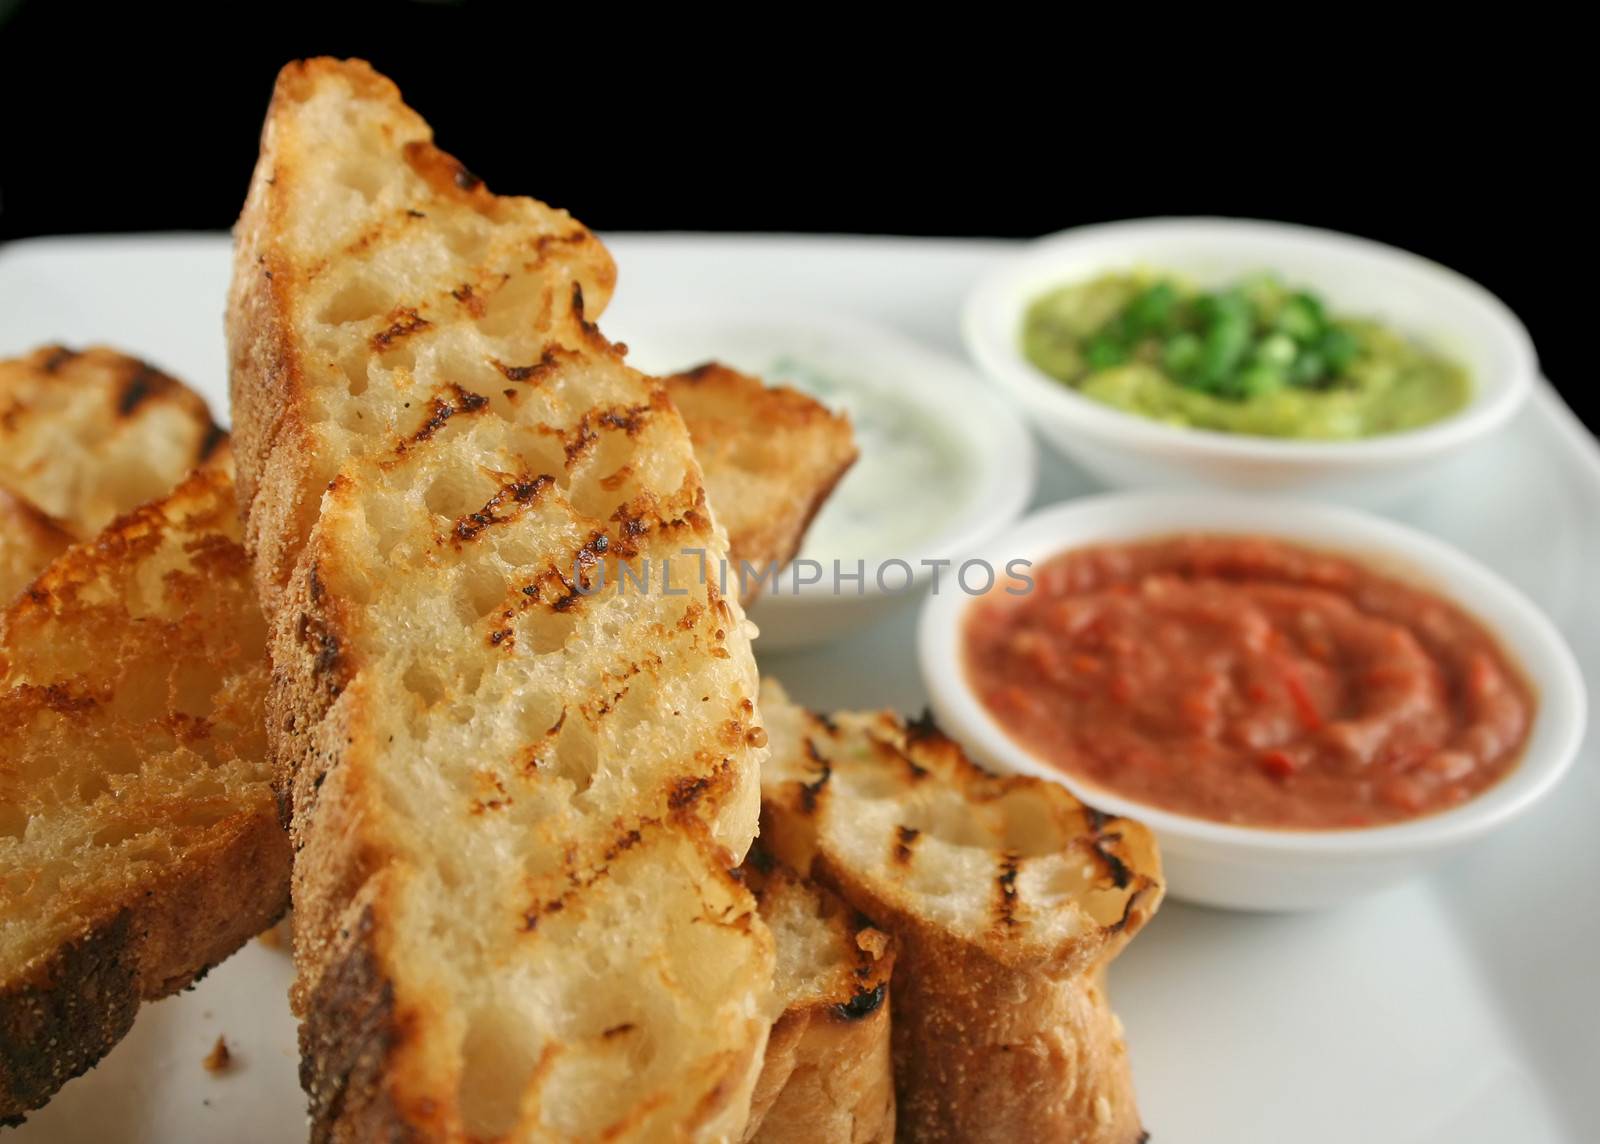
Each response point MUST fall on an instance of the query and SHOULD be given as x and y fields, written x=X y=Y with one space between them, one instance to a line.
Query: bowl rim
x=991 y=303
x=1006 y=477
x=1517 y=624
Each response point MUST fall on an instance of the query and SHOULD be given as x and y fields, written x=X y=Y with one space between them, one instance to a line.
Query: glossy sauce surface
x=1250 y=681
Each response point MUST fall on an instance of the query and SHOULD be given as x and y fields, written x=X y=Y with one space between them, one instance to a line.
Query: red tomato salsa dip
x=1249 y=681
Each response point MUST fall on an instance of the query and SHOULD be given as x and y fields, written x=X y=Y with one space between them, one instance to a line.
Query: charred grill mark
x=915 y=771
x=511 y=498
x=468 y=299
x=623 y=844
x=810 y=791
x=863 y=1004
x=213 y=439
x=566 y=602
x=686 y=792
x=633 y=521
x=59 y=356
x=548 y=361
x=587 y=558
x=1127 y=912
x=905 y=839
x=440 y=411
x=554 y=588
x=590 y=330
x=578 y=309
x=570 y=238
x=403 y=322
x=141 y=383
x=443 y=172
x=1006 y=885
x=577 y=443
x=1121 y=876
x=630 y=419
x=531 y=916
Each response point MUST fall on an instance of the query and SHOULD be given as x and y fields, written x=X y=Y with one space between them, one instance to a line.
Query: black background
x=144 y=118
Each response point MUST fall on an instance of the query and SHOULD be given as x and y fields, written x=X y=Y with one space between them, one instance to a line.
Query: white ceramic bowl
x=1260 y=868
x=986 y=438
x=1421 y=299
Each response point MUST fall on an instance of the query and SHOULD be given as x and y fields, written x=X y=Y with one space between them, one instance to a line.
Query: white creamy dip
x=912 y=477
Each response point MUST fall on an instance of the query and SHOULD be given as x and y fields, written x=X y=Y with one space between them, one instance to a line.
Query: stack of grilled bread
x=139 y=835
x=400 y=672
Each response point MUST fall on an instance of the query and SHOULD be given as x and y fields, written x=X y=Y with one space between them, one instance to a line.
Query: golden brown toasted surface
x=827 y=1074
x=770 y=454
x=85 y=437
x=139 y=835
x=1007 y=898
x=29 y=539
x=517 y=784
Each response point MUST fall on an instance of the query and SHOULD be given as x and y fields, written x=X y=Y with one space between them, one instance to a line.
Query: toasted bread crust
x=1002 y=1030
x=771 y=456
x=185 y=861
x=74 y=1006
x=827 y=1076
x=345 y=1043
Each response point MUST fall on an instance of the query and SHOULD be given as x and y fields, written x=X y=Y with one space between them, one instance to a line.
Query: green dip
x=1254 y=358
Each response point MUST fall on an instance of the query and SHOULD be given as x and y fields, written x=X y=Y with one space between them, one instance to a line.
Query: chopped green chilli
x=1255 y=357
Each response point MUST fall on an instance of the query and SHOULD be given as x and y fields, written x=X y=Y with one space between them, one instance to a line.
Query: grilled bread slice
x=1008 y=899
x=517 y=782
x=139 y=834
x=85 y=437
x=371 y=267
x=827 y=1077
x=771 y=456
